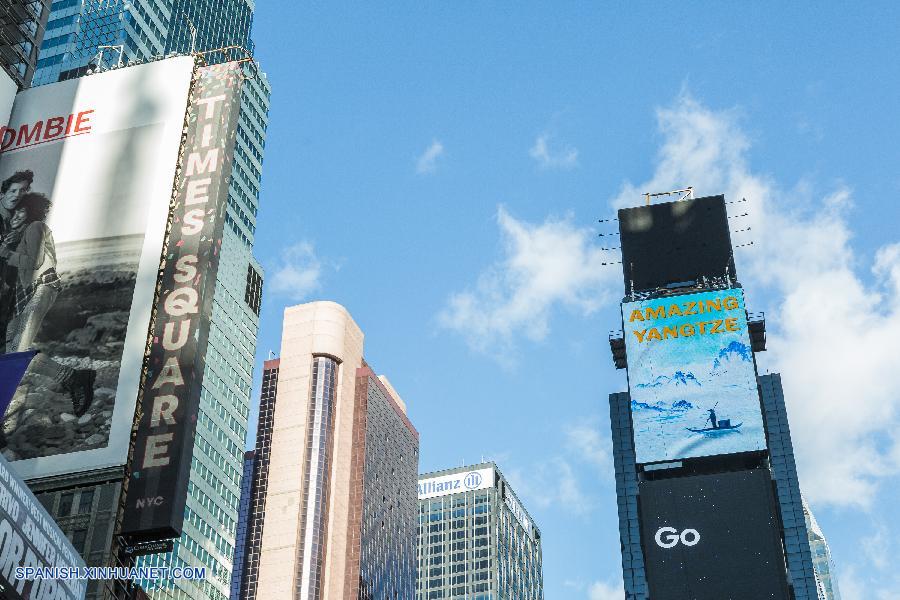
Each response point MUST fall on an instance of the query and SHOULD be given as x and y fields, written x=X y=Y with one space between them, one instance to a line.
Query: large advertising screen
x=87 y=168
x=712 y=537
x=692 y=376
x=673 y=242
x=170 y=395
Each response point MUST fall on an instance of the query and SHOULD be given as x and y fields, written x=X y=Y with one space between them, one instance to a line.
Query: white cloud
x=585 y=440
x=553 y=263
x=832 y=331
x=604 y=590
x=298 y=273
x=553 y=158
x=427 y=162
x=552 y=484
x=859 y=583
x=877 y=548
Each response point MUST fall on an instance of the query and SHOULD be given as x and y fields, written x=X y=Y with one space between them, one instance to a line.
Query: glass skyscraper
x=826 y=579
x=22 y=24
x=133 y=31
x=476 y=540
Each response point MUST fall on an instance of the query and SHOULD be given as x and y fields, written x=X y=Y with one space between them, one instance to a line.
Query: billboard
x=709 y=537
x=170 y=395
x=692 y=376
x=87 y=168
x=31 y=539
x=433 y=487
x=674 y=242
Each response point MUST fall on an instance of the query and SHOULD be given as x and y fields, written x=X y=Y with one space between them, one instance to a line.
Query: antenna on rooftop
x=688 y=193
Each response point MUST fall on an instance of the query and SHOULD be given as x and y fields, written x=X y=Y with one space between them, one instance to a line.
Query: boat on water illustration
x=717 y=426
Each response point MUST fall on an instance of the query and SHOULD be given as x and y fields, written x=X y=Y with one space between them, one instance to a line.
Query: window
x=78 y=538
x=65 y=504
x=85 y=502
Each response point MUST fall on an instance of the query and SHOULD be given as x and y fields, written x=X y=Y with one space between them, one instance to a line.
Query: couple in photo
x=29 y=284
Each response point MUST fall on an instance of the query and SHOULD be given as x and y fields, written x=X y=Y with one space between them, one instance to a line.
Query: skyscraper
x=340 y=517
x=136 y=31
x=246 y=570
x=826 y=579
x=476 y=540
x=240 y=540
x=22 y=24
x=708 y=496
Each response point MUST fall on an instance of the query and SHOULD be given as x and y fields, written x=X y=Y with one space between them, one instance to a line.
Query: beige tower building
x=340 y=497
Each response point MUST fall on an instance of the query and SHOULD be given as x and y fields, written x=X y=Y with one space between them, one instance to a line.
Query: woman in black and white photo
x=28 y=247
x=11 y=191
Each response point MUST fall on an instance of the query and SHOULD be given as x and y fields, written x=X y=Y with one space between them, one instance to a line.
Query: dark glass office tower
x=240 y=540
x=246 y=558
x=22 y=25
x=708 y=496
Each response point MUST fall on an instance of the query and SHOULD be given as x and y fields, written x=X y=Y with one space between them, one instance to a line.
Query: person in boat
x=711 y=419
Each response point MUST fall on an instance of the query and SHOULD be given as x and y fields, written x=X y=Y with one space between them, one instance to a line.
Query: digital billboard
x=674 y=242
x=692 y=376
x=87 y=168
x=712 y=537
x=170 y=395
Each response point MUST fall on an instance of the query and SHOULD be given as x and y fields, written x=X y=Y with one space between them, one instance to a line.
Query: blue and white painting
x=692 y=377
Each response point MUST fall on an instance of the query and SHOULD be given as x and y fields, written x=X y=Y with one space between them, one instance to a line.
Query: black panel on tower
x=675 y=243
x=712 y=537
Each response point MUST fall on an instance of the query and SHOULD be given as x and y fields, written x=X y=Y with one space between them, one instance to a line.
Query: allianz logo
x=669 y=537
x=470 y=481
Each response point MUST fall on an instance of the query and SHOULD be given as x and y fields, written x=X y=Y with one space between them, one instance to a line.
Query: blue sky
x=440 y=168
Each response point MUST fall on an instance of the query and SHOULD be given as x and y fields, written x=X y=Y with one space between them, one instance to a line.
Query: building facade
x=692 y=493
x=826 y=578
x=22 y=25
x=246 y=570
x=143 y=29
x=476 y=540
x=240 y=540
x=339 y=520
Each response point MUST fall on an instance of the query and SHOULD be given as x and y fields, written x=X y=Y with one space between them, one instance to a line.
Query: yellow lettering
x=656 y=313
x=702 y=325
x=636 y=316
x=670 y=331
x=717 y=326
x=639 y=334
x=731 y=324
x=687 y=330
x=731 y=303
x=690 y=308
x=674 y=310
x=653 y=334
x=714 y=304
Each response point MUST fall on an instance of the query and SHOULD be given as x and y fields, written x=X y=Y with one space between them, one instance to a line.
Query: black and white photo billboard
x=86 y=174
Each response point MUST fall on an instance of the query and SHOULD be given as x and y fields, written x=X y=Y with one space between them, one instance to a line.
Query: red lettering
x=30 y=136
x=8 y=141
x=54 y=127
x=82 y=121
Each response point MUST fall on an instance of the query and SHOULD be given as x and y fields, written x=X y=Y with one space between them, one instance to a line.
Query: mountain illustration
x=660 y=406
x=676 y=379
x=733 y=350
x=635 y=405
